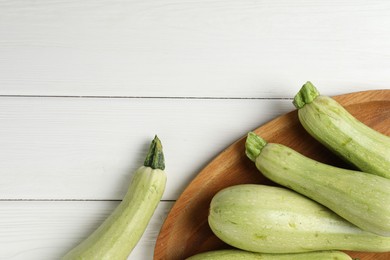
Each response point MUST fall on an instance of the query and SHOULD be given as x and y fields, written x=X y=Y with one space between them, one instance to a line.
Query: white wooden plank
x=204 y=48
x=88 y=148
x=46 y=230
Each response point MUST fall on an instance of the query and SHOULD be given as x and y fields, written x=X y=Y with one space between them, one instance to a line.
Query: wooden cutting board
x=185 y=231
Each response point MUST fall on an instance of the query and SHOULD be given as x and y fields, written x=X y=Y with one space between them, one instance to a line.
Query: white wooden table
x=85 y=86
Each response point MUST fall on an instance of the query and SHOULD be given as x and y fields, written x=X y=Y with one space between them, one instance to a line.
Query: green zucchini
x=361 y=198
x=236 y=254
x=268 y=219
x=332 y=125
x=116 y=237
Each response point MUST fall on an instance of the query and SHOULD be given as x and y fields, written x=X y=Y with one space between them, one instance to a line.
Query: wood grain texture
x=206 y=48
x=46 y=230
x=186 y=232
x=88 y=148
x=87 y=144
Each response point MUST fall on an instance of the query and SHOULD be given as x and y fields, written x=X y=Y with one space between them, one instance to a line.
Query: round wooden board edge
x=345 y=99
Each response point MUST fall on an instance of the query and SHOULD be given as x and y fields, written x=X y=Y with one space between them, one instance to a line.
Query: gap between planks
x=67 y=200
x=142 y=97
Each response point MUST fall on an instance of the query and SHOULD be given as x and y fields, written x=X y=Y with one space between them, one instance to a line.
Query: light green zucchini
x=332 y=125
x=116 y=237
x=361 y=198
x=235 y=254
x=267 y=219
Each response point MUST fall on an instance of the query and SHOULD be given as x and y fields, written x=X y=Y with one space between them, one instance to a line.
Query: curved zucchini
x=120 y=232
x=328 y=122
x=235 y=254
x=361 y=198
x=267 y=219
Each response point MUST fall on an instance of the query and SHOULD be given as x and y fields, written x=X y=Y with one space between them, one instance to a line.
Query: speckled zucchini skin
x=266 y=219
x=234 y=254
x=332 y=125
x=116 y=237
x=361 y=198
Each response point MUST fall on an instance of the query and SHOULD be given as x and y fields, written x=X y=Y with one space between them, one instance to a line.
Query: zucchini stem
x=253 y=145
x=306 y=95
x=155 y=157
